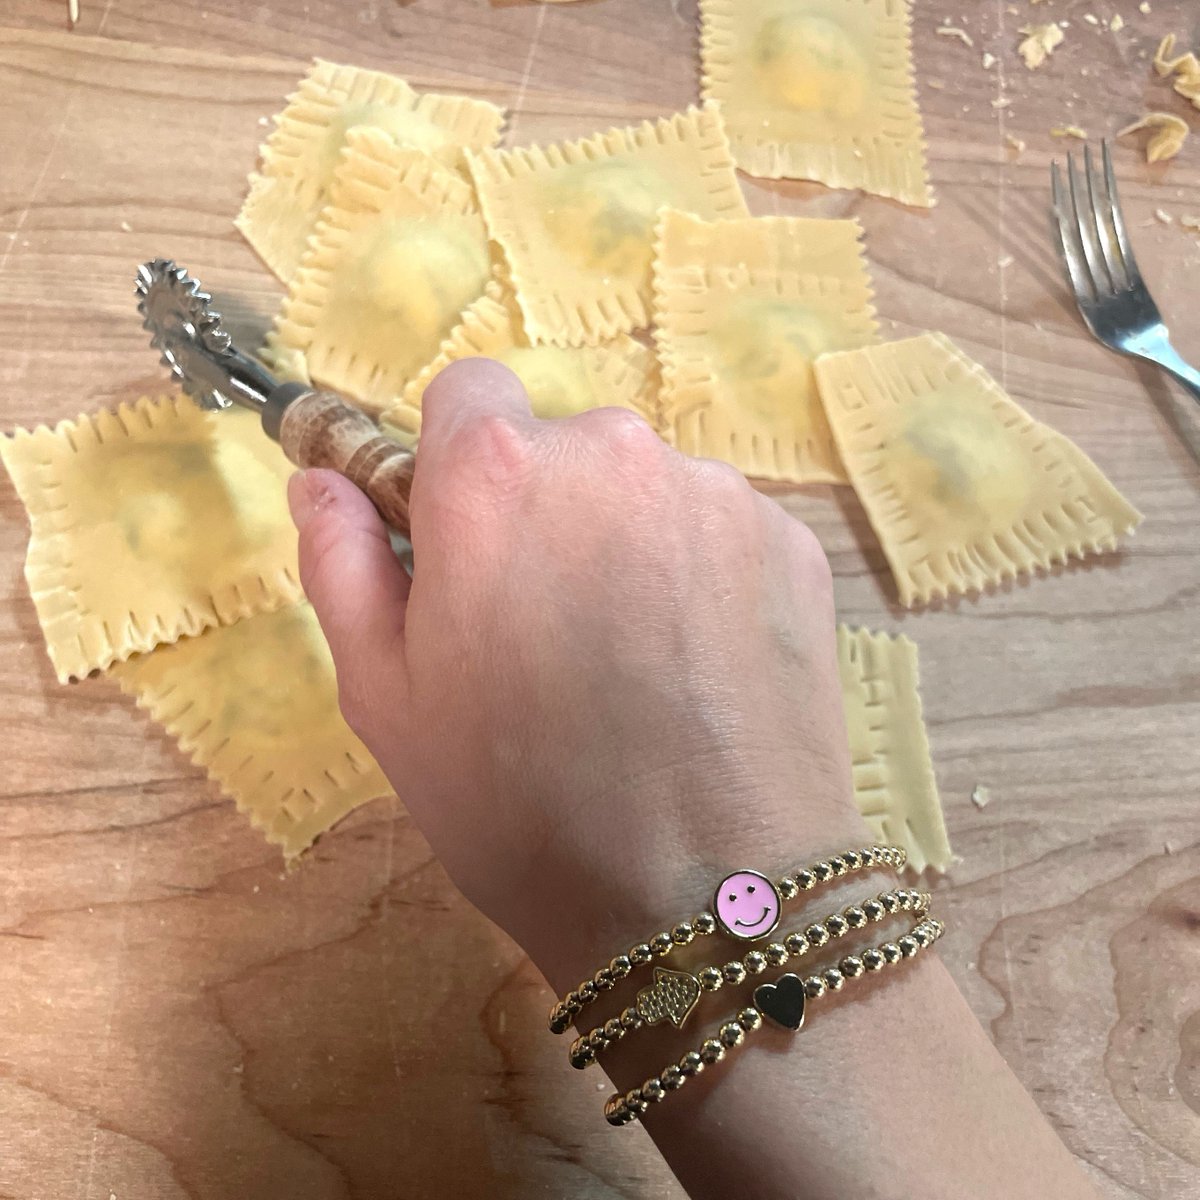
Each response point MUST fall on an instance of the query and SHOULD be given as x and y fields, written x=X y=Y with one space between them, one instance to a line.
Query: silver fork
x=1109 y=289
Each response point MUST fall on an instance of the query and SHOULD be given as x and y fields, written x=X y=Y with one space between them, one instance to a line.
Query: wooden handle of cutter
x=319 y=429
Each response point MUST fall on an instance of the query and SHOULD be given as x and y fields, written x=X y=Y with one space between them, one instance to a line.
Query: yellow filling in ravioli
x=256 y=705
x=576 y=220
x=399 y=254
x=743 y=308
x=818 y=89
x=963 y=488
x=560 y=380
x=302 y=155
x=150 y=522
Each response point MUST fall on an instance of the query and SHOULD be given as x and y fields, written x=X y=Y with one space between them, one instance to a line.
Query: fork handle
x=1189 y=377
x=319 y=429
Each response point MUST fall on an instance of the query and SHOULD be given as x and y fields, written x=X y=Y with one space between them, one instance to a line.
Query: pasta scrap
x=255 y=704
x=894 y=784
x=742 y=308
x=1169 y=132
x=560 y=380
x=576 y=219
x=301 y=156
x=398 y=254
x=1039 y=43
x=819 y=89
x=963 y=488
x=150 y=522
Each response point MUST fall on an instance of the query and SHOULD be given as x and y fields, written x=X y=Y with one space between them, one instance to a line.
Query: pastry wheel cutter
x=315 y=428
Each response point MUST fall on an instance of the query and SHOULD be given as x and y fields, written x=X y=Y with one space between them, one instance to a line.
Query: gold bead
x=806 y=880
x=733 y=972
x=749 y=1018
x=852 y=966
x=640 y=954
x=789 y=889
x=630 y=1018
x=852 y=859
x=683 y=933
x=704 y=923
x=796 y=943
x=692 y=1063
x=908 y=945
x=711 y=1051
x=710 y=978
x=614 y=1031
x=653 y=1089
x=672 y=1077
x=874 y=910
x=732 y=1034
x=872 y=959
x=855 y=917
x=814 y=987
x=837 y=864
x=755 y=962
x=822 y=871
x=817 y=935
x=603 y=979
x=620 y=966
x=635 y=1102
x=890 y=902
x=901 y=857
x=867 y=854
x=558 y=1018
x=586 y=991
x=661 y=944
x=891 y=952
x=776 y=954
x=833 y=979
x=580 y=1053
x=920 y=935
x=836 y=924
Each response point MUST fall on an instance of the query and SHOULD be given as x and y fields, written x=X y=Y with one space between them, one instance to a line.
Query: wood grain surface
x=178 y=1019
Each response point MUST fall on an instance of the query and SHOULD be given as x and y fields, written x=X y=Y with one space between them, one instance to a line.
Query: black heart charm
x=782 y=1001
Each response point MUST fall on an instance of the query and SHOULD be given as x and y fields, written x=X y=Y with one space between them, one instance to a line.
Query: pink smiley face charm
x=746 y=905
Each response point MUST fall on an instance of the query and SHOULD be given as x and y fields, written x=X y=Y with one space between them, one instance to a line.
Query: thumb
x=358 y=589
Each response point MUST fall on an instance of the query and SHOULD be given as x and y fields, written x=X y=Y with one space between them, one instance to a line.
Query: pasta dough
x=399 y=253
x=963 y=488
x=255 y=704
x=742 y=308
x=818 y=89
x=150 y=522
x=576 y=219
x=301 y=155
x=560 y=380
x=894 y=784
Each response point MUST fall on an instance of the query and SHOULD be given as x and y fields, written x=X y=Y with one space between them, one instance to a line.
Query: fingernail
x=307 y=495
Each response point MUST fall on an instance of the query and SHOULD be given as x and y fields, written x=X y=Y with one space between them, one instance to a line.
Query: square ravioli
x=894 y=784
x=299 y=158
x=255 y=704
x=741 y=310
x=576 y=219
x=962 y=487
x=818 y=89
x=399 y=253
x=149 y=522
x=560 y=380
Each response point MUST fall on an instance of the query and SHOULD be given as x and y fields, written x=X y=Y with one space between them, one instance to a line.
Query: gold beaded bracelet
x=737 y=896
x=782 y=1003
x=674 y=994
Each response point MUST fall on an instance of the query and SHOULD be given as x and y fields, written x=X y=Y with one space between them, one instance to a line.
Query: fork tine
x=1118 y=219
x=1068 y=239
x=1088 y=234
x=1101 y=207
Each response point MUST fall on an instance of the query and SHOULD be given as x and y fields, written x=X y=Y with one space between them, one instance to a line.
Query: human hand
x=611 y=679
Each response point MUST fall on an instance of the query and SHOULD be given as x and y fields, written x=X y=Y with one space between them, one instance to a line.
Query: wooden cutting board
x=179 y=1019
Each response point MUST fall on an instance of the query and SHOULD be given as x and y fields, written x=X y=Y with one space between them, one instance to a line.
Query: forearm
x=891 y=1088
